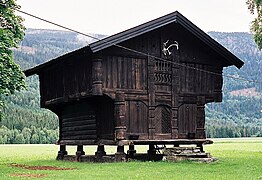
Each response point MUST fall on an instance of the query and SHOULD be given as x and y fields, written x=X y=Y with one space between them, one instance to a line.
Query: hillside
x=238 y=115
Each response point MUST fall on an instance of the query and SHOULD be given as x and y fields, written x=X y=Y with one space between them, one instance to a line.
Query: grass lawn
x=238 y=159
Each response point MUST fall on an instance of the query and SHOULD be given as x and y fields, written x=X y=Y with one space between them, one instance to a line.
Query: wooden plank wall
x=51 y=84
x=136 y=117
x=68 y=79
x=124 y=73
x=196 y=82
x=187 y=120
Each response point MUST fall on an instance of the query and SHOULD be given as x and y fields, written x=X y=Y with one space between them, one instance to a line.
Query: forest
x=239 y=115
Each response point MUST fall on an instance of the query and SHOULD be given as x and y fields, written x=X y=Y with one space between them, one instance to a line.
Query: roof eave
x=38 y=68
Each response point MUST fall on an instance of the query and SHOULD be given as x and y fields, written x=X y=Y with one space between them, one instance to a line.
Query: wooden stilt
x=61 y=153
x=176 y=145
x=131 y=151
x=151 y=152
x=201 y=147
x=152 y=149
x=79 y=152
x=100 y=151
x=120 y=154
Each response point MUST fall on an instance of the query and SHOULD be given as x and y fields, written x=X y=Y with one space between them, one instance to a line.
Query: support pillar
x=176 y=145
x=200 y=118
x=174 y=122
x=97 y=77
x=201 y=147
x=151 y=130
x=120 y=111
x=174 y=97
x=61 y=153
x=120 y=155
x=131 y=152
x=151 y=152
x=100 y=151
x=151 y=97
x=79 y=152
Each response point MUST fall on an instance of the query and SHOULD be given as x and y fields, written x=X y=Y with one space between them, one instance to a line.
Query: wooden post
x=97 y=76
x=151 y=151
x=176 y=145
x=100 y=151
x=200 y=145
x=174 y=97
x=131 y=152
x=151 y=97
x=174 y=123
x=61 y=153
x=120 y=154
x=200 y=118
x=79 y=152
x=120 y=111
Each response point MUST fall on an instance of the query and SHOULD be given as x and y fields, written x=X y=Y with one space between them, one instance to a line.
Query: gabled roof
x=160 y=22
x=144 y=28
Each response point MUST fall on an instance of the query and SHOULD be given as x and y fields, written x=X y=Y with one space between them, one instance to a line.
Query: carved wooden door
x=162 y=120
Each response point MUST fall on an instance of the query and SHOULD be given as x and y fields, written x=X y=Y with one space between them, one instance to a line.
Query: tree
x=35 y=139
x=255 y=7
x=11 y=33
x=19 y=139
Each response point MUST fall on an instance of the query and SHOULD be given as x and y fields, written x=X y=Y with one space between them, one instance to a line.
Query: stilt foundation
x=154 y=152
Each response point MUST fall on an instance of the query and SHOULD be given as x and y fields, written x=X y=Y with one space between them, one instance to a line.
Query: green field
x=238 y=159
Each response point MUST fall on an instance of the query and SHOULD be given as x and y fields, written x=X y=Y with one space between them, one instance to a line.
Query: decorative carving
x=162 y=66
x=163 y=72
x=166 y=48
x=162 y=120
x=120 y=109
x=163 y=78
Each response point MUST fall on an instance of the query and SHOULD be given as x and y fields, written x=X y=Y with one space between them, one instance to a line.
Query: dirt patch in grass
x=40 y=167
x=29 y=175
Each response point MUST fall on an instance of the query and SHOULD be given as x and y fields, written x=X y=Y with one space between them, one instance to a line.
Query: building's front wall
x=163 y=100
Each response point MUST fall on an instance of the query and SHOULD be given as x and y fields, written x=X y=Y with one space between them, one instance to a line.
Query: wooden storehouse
x=146 y=85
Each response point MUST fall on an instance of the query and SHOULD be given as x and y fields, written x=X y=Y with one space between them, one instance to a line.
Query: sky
x=112 y=16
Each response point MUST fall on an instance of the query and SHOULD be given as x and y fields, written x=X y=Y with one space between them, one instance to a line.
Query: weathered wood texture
x=124 y=73
x=117 y=93
x=91 y=120
x=70 y=79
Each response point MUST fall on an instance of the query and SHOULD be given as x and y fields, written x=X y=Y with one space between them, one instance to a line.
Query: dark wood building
x=146 y=85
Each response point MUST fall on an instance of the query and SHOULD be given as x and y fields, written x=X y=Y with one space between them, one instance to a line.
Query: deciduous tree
x=11 y=33
x=255 y=7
